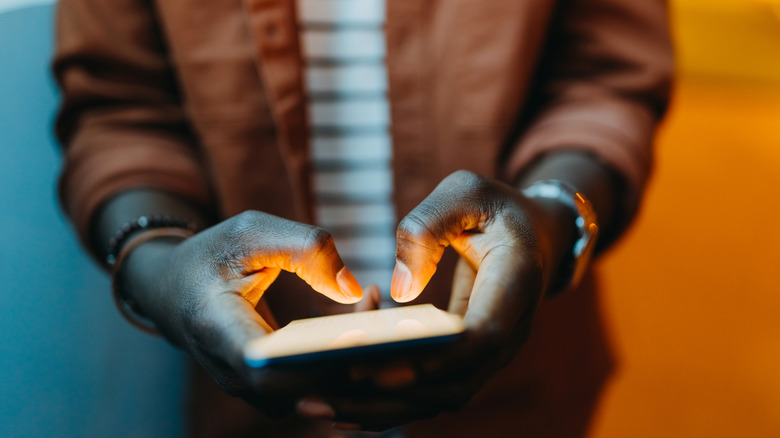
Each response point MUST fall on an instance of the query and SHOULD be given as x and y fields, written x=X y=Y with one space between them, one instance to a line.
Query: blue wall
x=69 y=365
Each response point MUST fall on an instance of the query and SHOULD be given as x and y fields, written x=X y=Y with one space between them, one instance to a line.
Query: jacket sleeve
x=121 y=122
x=603 y=89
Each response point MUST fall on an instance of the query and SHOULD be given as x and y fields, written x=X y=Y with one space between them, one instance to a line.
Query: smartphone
x=359 y=336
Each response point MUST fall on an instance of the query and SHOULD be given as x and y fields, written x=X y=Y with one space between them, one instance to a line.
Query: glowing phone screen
x=355 y=332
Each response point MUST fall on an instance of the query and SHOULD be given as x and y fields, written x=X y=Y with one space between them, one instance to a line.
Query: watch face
x=586 y=223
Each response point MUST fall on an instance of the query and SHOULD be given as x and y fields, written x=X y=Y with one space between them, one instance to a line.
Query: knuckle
x=465 y=176
x=415 y=228
x=237 y=239
x=233 y=231
x=474 y=193
x=318 y=242
x=468 y=181
x=244 y=221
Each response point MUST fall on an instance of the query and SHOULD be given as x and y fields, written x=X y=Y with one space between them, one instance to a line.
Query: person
x=521 y=136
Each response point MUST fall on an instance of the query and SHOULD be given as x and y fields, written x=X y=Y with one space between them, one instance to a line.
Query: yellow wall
x=728 y=38
x=692 y=295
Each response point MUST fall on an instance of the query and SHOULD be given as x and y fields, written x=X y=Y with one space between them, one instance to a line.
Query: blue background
x=70 y=366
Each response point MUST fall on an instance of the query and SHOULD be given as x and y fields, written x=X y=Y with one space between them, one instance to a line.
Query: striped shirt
x=343 y=46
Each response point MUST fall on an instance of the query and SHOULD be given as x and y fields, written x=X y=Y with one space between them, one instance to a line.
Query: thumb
x=451 y=214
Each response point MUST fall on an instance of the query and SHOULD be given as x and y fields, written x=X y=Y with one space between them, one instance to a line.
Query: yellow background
x=692 y=294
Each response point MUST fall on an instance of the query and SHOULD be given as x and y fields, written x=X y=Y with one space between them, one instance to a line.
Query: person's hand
x=201 y=294
x=509 y=246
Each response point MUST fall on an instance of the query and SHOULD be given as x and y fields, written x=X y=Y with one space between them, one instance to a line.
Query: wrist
x=128 y=231
x=559 y=234
x=140 y=268
x=131 y=213
x=570 y=265
x=598 y=182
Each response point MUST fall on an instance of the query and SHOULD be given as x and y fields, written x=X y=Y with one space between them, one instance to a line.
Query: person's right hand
x=201 y=294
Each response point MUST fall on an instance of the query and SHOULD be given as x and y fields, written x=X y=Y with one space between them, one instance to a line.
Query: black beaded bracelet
x=121 y=235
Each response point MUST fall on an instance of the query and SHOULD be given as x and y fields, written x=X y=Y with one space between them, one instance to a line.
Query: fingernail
x=345 y=426
x=315 y=408
x=401 y=287
x=349 y=285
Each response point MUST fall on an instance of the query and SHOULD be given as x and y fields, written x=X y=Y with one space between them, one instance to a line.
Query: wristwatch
x=573 y=268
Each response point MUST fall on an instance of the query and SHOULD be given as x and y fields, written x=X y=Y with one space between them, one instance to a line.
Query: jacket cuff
x=105 y=166
x=616 y=132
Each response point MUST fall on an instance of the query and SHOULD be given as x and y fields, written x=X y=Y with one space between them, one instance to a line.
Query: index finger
x=264 y=241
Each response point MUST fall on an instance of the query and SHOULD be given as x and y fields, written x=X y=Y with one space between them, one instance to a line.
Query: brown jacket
x=205 y=98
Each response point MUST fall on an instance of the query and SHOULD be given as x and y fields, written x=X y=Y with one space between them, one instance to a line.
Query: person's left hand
x=509 y=246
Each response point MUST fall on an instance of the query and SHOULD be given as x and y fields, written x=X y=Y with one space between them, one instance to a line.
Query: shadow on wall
x=70 y=365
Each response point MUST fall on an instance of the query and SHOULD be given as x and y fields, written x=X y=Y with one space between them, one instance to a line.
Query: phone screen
x=355 y=335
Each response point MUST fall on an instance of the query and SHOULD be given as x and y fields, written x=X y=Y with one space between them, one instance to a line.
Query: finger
x=267 y=241
x=314 y=408
x=506 y=292
x=265 y=313
x=319 y=264
x=462 y=283
x=372 y=298
x=498 y=302
x=497 y=317
x=252 y=287
x=462 y=202
x=397 y=375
